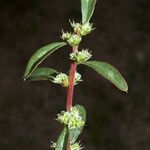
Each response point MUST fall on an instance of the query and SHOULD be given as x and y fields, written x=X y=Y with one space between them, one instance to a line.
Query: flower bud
x=65 y=35
x=80 y=56
x=86 y=29
x=74 y=40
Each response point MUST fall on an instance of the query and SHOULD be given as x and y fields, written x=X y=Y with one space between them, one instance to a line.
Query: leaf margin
x=62 y=140
x=44 y=52
x=41 y=73
x=123 y=87
x=74 y=133
x=87 y=9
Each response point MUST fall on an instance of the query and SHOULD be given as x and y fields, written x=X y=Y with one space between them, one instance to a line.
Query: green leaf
x=74 y=133
x=62 y=141
x=40 y=55
x=87 y=8
x=110 y=73
x=42 y=74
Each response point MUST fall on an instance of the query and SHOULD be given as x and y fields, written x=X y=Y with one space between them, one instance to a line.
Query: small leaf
x=40 y=55
x=42 y=74
x=87 y=7
x=62 y=141
x=109 y=72
x=74 y=133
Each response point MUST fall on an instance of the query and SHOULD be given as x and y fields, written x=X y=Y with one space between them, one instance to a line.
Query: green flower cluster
x=83 y=29
x=72 y=119
x=80 y=56
x=72 y=39
x=80 y=30
x=65 y=35
x=63 y=79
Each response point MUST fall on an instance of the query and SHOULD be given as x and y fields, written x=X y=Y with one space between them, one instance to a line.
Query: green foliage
x=40 y=55
x=42 y=73
x=74 y=133
x=87 y=8
x=62 y=141
x=110 y=73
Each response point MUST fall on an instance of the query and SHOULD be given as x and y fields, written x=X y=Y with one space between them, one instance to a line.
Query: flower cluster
x=86 y=28
x=74 y=146
x=72 y=39
x=80 y=56
x=83 y=29
x=72 y=119
x=63 y=79
x=80 y=30
x=65 y=35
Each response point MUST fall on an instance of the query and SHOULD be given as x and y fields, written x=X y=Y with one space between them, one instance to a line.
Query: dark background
x=116 y=120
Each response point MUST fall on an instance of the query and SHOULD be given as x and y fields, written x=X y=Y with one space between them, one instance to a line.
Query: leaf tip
x=126 y=91
x=24 y=79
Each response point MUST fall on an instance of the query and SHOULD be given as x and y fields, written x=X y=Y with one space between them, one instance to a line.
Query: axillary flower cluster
x=80 y=30
x=71 y=119
x=63 y=79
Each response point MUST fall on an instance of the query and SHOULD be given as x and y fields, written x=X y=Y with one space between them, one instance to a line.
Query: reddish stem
x=71 y=88
x=70 y=91
x=71 y=82
x=68 y=146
